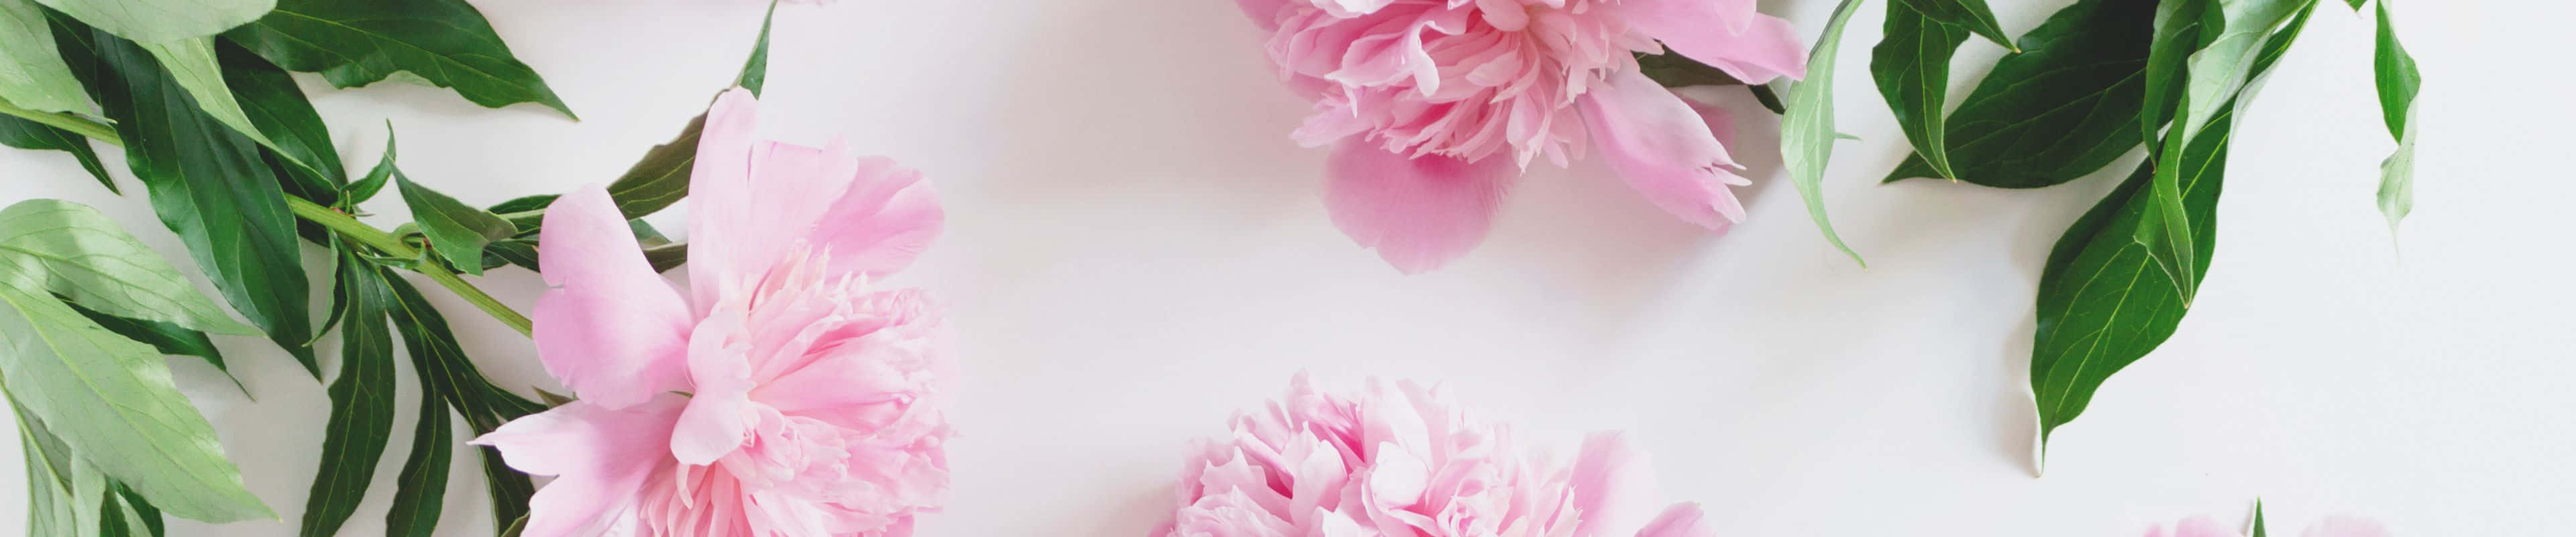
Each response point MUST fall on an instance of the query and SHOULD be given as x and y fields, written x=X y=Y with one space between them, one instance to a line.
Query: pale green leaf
x=111 y=399
x=1807 y=133
x=71 y=250
x=192 y=64
x=2227 y=61
x=2399 y=81
x=34 y=76
x=162 y=21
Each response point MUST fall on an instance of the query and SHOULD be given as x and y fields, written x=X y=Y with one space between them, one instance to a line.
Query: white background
x=1136 y=250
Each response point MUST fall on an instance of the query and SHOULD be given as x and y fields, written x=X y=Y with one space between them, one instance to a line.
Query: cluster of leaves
x=241 y=167
x=2096 y=81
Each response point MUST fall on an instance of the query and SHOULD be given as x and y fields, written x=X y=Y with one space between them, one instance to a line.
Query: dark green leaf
x=209 y=185
x=111 y=399
x=445 y=371
x=1912 y=67
x=420 y=492
x=666 y=257
x=168 y=338
x=755 y=70
x=367 y=187
x=1970 y=15
x=521 y=252
x=147 y=516
x=191 y=65
x=661 y=178
x=358 y=42
x=1807 y=130
x=456 y=231
x=524 y=204
x=362 y=402
x=1673 y=70
x=26 y=134
x=2356 y=4
x=2259 y=531
x=2177 y=35
x=2399 y=81
x=2067 y=105
x=2166 y=231
x=2233 y=33
x=278 y=109
x=517 y=527
x=1770 y=100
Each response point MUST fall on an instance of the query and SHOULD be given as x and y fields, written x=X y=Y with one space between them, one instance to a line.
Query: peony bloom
x=2338 y=526
x=1404 y=462
x=1433 y=107
x=784 y=395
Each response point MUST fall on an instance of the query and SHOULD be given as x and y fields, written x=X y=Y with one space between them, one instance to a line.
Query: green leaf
x=1677 y=71
x=2259 y=531
x=192 y=64
x=2399 y=81
x=168 y=338
x=209 y=185
x=1807 y=130
x=111 y=399
x=521 y=252
x=362 y=402
x=49 y=508
x=130 y=514
x=661 y=178
x=367 y=187
x=755 y=70
x=277 y=107
x=33 y=75
x=2064 y=107
x=2177 y=35
x=420 y=492
x=2225 y=64
x=524 y=204
x=1971 y=15
x=23 y=133
x=456 y=231
x=2166 y=231
x=666 y=257
x=162 y=21
x=68 y=249
x=2103 y=303
x=1912 y=67
x=358 y=42
x=445 y=372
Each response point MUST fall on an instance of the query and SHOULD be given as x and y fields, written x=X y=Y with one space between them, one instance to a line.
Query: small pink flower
x=1403 y=461
x=1435 y=106
x=784 y=396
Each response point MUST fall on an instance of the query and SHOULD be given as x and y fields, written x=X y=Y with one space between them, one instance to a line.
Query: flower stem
x=362 y=233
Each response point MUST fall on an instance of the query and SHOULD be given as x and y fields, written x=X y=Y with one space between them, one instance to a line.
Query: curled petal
x=884 y=218
x=1419 y=213
x=610 y=328
x=1664 y=149
x=601 y=458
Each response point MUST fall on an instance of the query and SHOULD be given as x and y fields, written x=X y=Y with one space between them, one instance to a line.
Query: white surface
x=1136 y=250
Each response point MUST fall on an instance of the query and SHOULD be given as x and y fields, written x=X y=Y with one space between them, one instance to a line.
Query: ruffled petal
x=1765 y=49
x=884 y=218
x=1664 y=149
x=1419 y=213
x=719 y=412
x=721 y=213
x=601 y=458
x=610 y=328
x=1680 y=520
x=1613 y=489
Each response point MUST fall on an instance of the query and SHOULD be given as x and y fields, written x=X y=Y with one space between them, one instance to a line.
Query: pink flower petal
x=2347 y=526
x=1766 y=48
x=720 y=208
x=1614 y=489
x=719 y=412
x=1680 y=520
x=1263 y=12
x=1419 y=213
x=2202 y=527
x=602 y=457
x=1664 y=149
x=610 y=328
x=886 y=216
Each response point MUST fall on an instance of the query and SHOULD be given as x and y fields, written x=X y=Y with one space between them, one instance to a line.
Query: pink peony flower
x=785 y=396
x=1435 y=106
x=1403 y=461
x=2337 y=526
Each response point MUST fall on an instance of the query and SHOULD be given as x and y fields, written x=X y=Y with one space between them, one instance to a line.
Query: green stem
x=362 y=233
x=337 y=222
x=76 y=124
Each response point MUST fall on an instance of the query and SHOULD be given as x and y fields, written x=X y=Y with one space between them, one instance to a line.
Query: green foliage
x=1807 y=133
x=1970 y=15
x=2063 y=108
x=33 y=76
x=420 y=491
x=447 y=374
x=456 y=231
x=362 y=400
x=23 y=133
x=108 y=400
x=162 y=21
x=1912 y=67
x=2398 y=82
x=358 y=42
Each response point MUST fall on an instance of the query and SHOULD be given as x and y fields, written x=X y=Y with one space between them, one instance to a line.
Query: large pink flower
x=1434 y=106
x=1402 y=461
x=784 y=396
